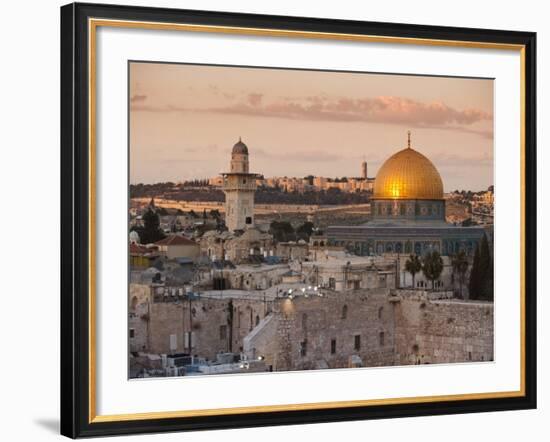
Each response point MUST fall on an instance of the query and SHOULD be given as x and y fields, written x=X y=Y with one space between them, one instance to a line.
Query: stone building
x=178 y=246
x=256 y=277
x=167 y=320
x=239 y=186
x=292 y=250
x=351 y=273
x=237 y=247
x=142 y=256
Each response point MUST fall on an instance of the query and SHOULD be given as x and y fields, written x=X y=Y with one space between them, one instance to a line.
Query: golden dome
x=408 y=175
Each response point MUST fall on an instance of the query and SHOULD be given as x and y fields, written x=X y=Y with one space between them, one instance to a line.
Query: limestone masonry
x=363 y=328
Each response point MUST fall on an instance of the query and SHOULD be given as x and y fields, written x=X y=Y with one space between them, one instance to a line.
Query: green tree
x=413 y=266
x=432 y=266
x=150 y=232
x=474 y=285
x=489 y=283
x=305 y=231
x=282 y=231
x=460 y=267
x=486 y=270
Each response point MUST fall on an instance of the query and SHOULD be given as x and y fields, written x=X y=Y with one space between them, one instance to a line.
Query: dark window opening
x=248 y=220
x=303 y=348
x=357 y=342
x=223 y=332
x=132 y=333
x=381 y=339
x=332 y=346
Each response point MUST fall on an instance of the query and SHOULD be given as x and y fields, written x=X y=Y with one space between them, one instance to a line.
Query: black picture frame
x=75 y=220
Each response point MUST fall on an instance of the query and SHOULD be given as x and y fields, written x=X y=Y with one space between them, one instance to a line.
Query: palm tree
x=432 y=266
x=460 y=266
x=413 y=266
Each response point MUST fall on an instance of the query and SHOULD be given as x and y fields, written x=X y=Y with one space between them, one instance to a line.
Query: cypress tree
x=485 y=272
x=489 y=289
x=474 y=286
x=460 y=266
x=151 y=231
x=481 y=276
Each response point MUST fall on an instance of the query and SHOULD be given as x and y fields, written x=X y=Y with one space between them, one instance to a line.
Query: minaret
x=239 y=186
x=364 y=170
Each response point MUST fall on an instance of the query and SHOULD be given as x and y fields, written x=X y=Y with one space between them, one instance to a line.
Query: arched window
x=381 y=338
x=380 y=311
x=257 y=320
x=344 y=311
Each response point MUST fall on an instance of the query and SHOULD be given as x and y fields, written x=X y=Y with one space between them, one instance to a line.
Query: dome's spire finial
x=240 y=138
x=408 y=139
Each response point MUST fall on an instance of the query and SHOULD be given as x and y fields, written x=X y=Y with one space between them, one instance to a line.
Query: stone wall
x=138 y=311
x=326 y=332
x=377 y=327
x=217 y=325
x=442 y=331
x=262 y=341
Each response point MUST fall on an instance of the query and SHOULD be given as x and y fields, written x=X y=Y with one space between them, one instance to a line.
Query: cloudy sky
x=184 y=120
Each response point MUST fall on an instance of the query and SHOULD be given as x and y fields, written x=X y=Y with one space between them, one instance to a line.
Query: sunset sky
x=184 y=120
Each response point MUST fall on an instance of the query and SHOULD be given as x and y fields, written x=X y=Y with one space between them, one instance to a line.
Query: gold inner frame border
x=93 y=24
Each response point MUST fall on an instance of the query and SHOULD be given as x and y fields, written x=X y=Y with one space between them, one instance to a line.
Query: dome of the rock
x=408 y=175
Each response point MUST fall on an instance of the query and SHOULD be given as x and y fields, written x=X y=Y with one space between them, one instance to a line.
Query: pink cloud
x=255 y=99
x=382 y=109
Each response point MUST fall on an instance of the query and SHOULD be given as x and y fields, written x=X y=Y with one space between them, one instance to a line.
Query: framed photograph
x=274 y=220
